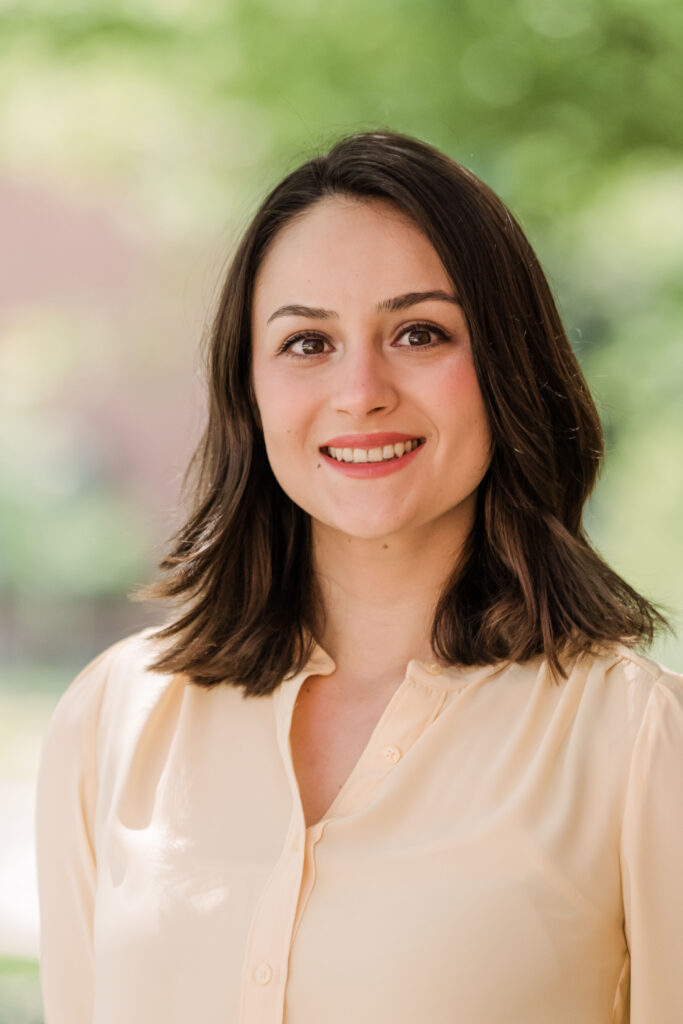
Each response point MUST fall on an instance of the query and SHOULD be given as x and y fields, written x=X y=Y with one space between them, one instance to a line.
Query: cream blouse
x=505 y=850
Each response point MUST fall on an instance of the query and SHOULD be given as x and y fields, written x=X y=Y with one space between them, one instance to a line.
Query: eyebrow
x=394 y=305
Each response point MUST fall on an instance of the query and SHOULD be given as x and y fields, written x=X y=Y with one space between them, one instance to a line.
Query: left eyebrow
x=400 y=302
x=394 y=305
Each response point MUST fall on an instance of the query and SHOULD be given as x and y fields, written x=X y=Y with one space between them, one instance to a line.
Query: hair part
x=239 y=571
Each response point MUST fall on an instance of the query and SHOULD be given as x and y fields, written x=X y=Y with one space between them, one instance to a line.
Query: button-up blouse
x=505 y=849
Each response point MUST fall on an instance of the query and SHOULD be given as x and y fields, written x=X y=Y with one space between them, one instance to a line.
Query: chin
x=363 y=530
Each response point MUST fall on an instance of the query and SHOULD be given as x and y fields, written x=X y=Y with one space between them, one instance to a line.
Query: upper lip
x=377 y=440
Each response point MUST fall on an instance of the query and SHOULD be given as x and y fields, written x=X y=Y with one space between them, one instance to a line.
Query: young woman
x=394 y=757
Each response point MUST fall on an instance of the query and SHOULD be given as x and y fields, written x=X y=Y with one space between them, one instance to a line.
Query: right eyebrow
x=394 y=305
x=309 y=311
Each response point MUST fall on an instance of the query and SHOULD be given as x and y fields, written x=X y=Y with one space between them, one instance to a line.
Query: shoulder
x=622 y=666
x=603 y=699
x=627 y=684
x=125 y=661
x=114 y=707
x=119 y=678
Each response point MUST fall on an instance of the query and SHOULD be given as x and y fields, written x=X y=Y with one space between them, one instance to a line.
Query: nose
x=365 y=382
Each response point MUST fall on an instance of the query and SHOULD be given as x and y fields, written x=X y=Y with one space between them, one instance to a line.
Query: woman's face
x=350 y=353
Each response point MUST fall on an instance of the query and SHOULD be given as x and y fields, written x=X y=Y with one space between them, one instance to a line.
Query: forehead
x=345 y=250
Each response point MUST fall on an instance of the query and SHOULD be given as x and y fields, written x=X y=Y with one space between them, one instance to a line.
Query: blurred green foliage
x=193 y=108
x=20 y=999
x=207 y=101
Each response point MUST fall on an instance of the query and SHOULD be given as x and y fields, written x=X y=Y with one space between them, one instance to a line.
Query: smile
x=384 y=454
x=369 y=463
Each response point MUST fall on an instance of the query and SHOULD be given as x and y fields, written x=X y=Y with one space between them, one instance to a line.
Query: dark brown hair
x=249 y=610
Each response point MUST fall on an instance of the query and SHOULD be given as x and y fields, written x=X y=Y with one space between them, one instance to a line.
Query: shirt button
x=262 y=974
x=434 y=668
x=392 y=754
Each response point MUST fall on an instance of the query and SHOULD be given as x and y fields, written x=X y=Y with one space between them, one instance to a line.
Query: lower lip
x=365 y=470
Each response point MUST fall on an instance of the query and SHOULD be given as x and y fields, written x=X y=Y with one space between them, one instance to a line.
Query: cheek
x=285 y=428
x=281 y=394
x=279 y=409
x=458 y=400
x=458 y=378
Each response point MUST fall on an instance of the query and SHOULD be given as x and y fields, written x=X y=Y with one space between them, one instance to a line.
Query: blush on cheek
x=458 y=382
x=462 y=373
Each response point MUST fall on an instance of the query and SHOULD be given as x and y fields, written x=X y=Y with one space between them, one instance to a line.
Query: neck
x=380 y=596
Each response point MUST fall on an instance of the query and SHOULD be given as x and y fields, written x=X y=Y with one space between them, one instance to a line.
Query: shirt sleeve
x=65 y=849
x=652 y=859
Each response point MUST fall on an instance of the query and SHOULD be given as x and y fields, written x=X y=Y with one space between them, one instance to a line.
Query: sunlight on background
x=136 y=142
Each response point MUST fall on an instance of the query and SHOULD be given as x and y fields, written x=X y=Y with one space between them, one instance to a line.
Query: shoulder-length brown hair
x=248 y=607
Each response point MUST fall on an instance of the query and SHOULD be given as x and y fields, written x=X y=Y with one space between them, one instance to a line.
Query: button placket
x=313 y=836
x=264 y=979
x=265 y=975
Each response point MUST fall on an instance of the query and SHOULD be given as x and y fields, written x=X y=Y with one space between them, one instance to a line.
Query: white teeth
x=387 y=452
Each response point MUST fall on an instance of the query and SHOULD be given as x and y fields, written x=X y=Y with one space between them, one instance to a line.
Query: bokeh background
x=136 y=140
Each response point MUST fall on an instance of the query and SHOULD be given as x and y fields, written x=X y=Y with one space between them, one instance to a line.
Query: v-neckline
x=351 y=776
x=419 y=705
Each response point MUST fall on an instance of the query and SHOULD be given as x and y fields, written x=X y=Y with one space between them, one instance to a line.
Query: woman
x=393 y=758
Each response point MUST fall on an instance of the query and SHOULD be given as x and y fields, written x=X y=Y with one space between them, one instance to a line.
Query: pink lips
x=370 y=470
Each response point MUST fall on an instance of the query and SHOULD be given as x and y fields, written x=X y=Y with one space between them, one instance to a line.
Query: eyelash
x=305 y=335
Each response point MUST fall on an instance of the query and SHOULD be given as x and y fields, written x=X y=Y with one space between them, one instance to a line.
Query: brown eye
x=419 y=336
x=422 y=336
x=308 y=346
x=308 y=341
